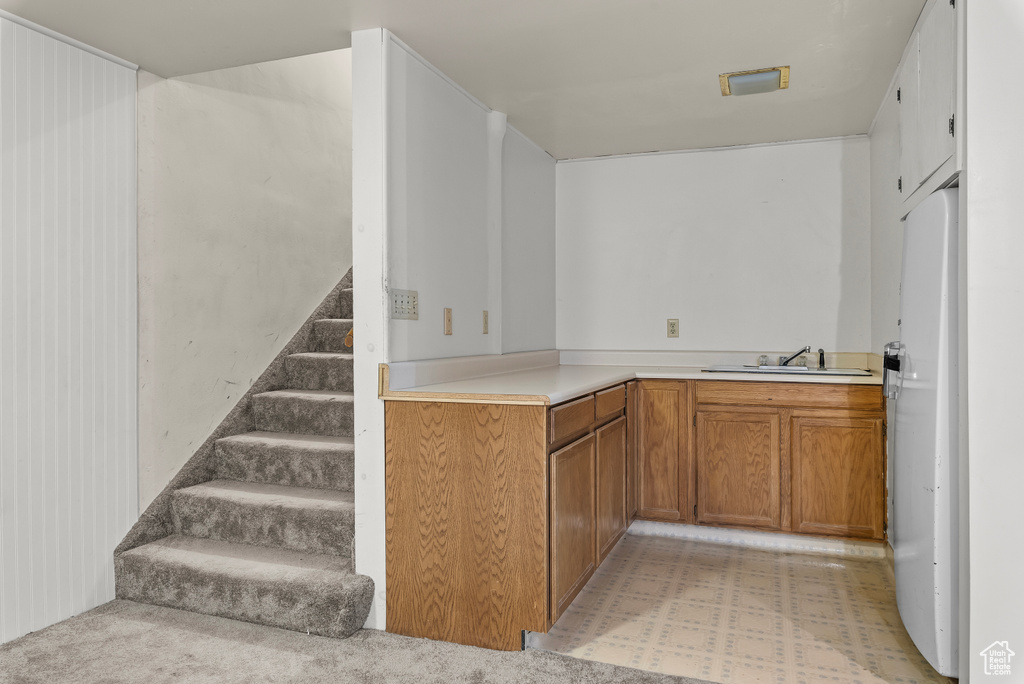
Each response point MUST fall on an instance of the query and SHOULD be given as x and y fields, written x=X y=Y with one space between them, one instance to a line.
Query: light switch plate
x=405 y=305
x=447 y=321
x=673 y=327
x=485 y=321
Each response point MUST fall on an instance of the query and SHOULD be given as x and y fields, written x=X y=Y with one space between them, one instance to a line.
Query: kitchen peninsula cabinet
x=782 y=456
x=497 y=514
x=573 y=523
x=610 y=486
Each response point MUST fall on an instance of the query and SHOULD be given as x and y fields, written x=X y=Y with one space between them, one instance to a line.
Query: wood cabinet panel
x=632 y=453
x=663 y=437
x=611 y=486
x=610 y=401
x=738 y=458
x=789 y=394
x=838 y=486
x=572 y=419
x=573 y=539
x=466 y=521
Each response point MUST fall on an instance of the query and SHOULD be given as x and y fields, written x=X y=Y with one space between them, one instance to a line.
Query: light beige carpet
x=740 y=616
x=130 y=642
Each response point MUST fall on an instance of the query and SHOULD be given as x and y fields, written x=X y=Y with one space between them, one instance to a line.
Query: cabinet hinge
x=694 y=511
x=899 y=184
x=694 y=420
x=952 y=125
x=898 y=96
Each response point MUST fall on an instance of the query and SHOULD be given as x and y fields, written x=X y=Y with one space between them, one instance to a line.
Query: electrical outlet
x=405 y=305
x=485 y=321
x=673 y=327
x=447 y=321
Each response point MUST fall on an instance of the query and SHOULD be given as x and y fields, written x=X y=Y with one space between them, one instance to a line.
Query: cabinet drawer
x=790 y=394
x=571 y=419
x=610 y=401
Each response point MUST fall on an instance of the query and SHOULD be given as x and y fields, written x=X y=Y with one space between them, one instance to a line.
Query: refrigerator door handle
x=892 y=360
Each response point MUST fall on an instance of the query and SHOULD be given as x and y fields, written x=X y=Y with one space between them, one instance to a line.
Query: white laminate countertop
x=556 y=384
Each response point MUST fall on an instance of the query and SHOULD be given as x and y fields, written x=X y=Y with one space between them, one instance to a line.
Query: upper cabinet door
x=927 y=93
x=910 y=169
x=936 y=86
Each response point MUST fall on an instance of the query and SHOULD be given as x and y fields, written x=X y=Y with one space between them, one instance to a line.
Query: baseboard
x=769 y=541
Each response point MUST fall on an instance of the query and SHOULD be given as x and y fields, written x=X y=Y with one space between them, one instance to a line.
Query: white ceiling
x=580 y=77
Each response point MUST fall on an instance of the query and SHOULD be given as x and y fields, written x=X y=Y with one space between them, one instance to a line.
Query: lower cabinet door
x=738 y=461
x=611 y=486
x=573 y=540
x=662 y=438
x=838 y=484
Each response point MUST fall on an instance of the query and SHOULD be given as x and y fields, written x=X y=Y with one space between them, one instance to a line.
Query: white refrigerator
x=921 y=380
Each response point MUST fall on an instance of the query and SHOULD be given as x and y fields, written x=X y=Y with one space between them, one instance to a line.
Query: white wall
x=244 y=226
x=528 y=246
x=438 y=175
x=67 y=333
x=991 y=185
x=752 y=248
x=886 y=225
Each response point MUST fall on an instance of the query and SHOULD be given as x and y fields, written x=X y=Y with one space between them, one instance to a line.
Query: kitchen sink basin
x=786 y=370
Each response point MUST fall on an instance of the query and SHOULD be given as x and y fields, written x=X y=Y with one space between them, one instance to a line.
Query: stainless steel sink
x=786 y=370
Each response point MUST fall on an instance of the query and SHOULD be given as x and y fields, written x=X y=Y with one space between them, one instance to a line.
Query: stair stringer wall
x=155 y=522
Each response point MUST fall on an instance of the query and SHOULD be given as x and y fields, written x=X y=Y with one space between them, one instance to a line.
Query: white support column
x=369 y=258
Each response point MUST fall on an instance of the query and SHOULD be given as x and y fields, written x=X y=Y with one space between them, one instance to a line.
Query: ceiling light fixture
x=754 y=81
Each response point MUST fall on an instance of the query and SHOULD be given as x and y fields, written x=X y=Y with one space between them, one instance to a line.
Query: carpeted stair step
x=319 y=371
x=287 y=459
x=295 y=518
x=310 y=412
x=345 y=304
x=329 y=334
x=268 y=586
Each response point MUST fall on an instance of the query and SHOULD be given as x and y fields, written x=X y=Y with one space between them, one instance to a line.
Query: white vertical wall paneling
x=68 y=326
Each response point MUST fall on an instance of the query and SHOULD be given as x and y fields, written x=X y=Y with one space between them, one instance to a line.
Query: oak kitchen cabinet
x=498 y=514
x=573 y=522
x=798 y=457
x=738 y=467
x=663 y=448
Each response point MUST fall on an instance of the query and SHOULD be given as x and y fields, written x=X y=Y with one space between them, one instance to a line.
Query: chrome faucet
x=785 y=361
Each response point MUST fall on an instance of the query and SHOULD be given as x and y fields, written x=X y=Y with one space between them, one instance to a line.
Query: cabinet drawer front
x=571 y=419
x=610 y=401
x=789 y=394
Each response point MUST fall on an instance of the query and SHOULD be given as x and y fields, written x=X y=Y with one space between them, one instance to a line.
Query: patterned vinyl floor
x=735 y=615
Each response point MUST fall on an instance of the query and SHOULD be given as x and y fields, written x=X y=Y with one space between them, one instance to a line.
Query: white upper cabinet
x=907 y=96
x=927 y=98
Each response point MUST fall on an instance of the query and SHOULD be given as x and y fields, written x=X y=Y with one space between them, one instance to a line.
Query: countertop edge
x=461 y=391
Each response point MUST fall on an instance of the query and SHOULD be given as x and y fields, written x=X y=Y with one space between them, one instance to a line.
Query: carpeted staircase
x=269 y=540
